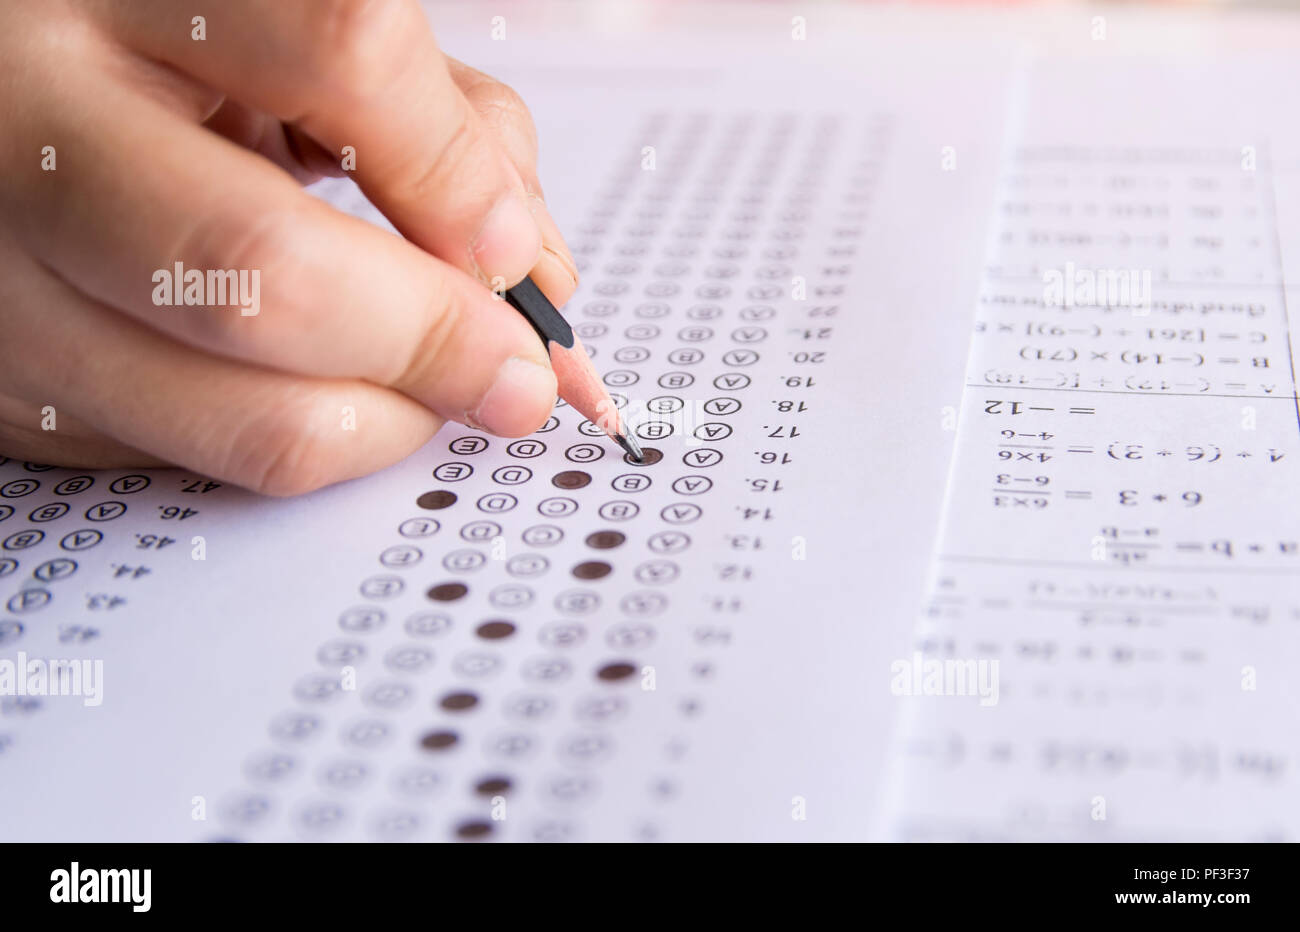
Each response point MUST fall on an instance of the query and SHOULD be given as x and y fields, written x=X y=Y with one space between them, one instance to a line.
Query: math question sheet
x=536 y=639
x=1117 y=585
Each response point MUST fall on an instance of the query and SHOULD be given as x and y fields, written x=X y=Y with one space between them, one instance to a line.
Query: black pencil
x=579 y=384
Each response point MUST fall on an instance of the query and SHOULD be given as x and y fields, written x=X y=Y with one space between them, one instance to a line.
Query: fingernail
x=552 y=239
x=519 y=400
x=555 y=280
x=508 y=243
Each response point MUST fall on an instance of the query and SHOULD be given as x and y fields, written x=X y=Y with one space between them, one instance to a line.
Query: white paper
x=1122 y=533
x=256 y=694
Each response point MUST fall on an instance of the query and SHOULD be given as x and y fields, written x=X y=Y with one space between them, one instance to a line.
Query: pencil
x=578 y=382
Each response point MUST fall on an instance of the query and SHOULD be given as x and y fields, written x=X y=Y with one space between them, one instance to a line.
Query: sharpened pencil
x=578 y=382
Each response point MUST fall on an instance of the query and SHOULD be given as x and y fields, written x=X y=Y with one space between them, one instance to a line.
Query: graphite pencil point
x=577 y=380
x=628 y=443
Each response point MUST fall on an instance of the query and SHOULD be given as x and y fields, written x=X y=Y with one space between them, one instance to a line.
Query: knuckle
x=285 y=451
x=265 y=240
x=501 y=102
x=289 y=473
x=221 y=243
x=501 y=108
x=450 y=164
x=357 y=46
x=427 y=357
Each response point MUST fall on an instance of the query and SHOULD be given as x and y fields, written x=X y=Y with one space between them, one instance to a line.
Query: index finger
x=366 y=79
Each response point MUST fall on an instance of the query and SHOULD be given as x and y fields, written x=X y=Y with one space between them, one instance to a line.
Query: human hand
x=132 y=143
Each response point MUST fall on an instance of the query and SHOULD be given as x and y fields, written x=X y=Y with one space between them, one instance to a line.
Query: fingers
x=286 y=146
x=312 y=290
x=366 y=74
x=72 y=444
x=504 y=113
x=268 y=431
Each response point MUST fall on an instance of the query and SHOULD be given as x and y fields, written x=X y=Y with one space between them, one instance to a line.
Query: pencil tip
x=628 y=443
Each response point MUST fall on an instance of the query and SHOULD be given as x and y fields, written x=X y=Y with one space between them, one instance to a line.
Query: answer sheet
x=898 y=571
x=536 y=639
